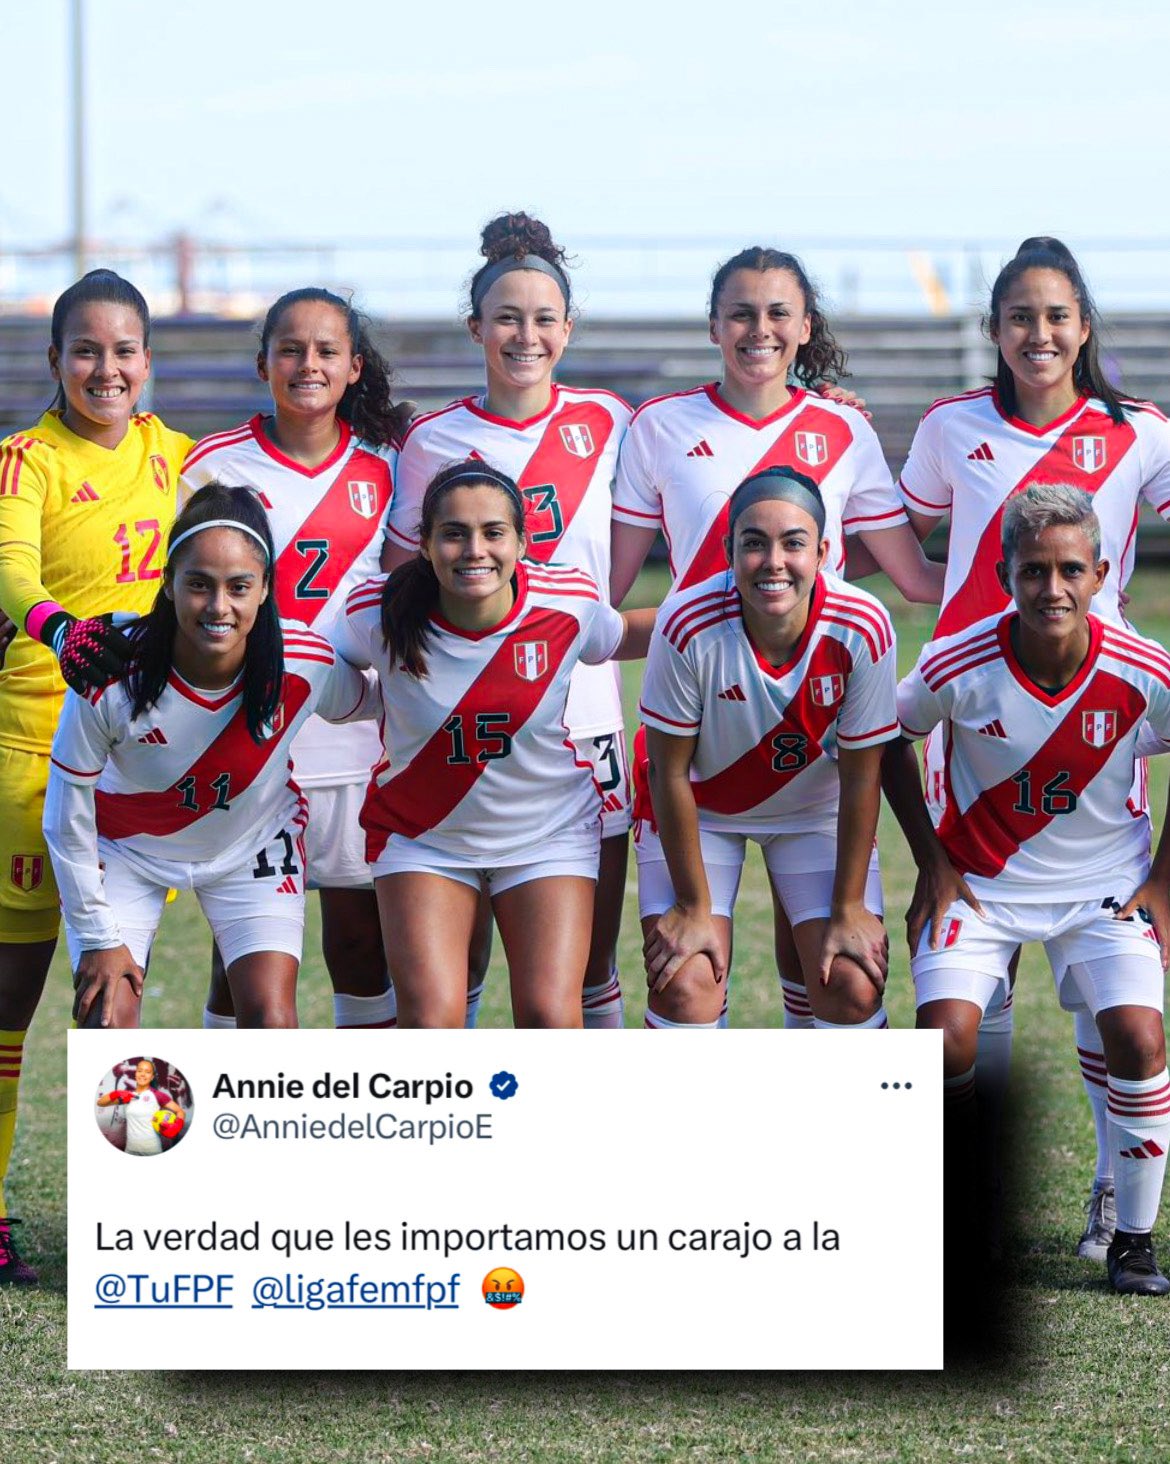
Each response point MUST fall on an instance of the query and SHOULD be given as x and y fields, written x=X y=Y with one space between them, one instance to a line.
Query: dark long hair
x=366 y=403
x=820 y=358
x=1044 y=252
x=152 y=658
x=410 y=595
x=98 y=287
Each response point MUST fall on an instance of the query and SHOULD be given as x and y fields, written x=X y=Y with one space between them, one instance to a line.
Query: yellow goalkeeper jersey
x=84 y=526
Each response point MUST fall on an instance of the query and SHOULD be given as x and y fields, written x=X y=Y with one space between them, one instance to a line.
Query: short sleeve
x=411 y=475
x=873 y=502
x=869 y=710
x=636 y=497
x=924 y=486
x=672 y=698
x=919 y=709
x=602 y=634
x=1155 y=461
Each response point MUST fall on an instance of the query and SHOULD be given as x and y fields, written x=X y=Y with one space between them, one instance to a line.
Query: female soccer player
x=476 y=647
x=322 y=465
x=1050 y=416
x=176 y=774
x=684 y=453
x=86 y=498
x=769 y=693
x=140 y=1107
x=1044 y=703
x=560 y=445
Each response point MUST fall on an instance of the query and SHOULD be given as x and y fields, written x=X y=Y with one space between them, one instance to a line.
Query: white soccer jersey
x=685 y=454
x=563 y=462
x=768 y=735
x=477 y=757
x=185 y=782
x=1038 y=786
x=327 y=525
x=968 y=458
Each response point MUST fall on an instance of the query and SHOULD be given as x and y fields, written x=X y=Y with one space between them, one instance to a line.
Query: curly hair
x=820 y=358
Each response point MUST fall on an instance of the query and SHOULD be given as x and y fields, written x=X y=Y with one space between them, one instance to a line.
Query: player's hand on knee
x=1151 y=901
x=97 y=980
x=856 y=932
x=678 y=935
x=939 y=885
x=7 y=635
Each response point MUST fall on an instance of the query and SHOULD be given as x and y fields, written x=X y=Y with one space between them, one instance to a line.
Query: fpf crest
x=577 y=439
x=1089 y=453
x=363 y=498
x=1098 y=728
x=811 y=448
x=827 y=691
x=28 y=870
x=530 y=659
x=162 y=472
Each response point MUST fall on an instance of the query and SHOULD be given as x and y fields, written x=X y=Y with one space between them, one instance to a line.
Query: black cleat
x=1133 y=1270
x=13 y=1270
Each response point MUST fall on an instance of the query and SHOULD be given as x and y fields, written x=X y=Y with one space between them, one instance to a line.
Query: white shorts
x=572 y=853
x=335 y=843
x=606 y=752
x=802 y=868
x=256 y=906
x=1097 y=962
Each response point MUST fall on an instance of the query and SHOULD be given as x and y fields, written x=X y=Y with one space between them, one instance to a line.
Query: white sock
x=654 y=1020
x=365 y=1011
x=798 y=1015
x=213 y=1019
x=1139 y=1125
x=602 y=1006
x=474 y=993
x=1096 y=1083
x=878 y=1020
x=993 y=1049
x=960 y=1089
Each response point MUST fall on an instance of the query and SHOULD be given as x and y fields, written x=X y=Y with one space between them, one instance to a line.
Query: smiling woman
x=86 y=499
x=769 y=693
x=176 y=774
x=476 y=648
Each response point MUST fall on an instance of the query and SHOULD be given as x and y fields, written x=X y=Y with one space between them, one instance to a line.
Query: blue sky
x=364 y=119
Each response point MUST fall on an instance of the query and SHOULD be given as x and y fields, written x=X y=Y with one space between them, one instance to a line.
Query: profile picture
x=144 y=1106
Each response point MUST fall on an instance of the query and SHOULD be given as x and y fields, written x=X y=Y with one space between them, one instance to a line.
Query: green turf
x=1088 y=1379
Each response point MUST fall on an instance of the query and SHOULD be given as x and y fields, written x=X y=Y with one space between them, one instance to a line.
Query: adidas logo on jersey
x=156 y=737
x=87 y=493
x=702 y=448
x=982 y=454
x=287 y=887
x=733 y=693
x=993 y=729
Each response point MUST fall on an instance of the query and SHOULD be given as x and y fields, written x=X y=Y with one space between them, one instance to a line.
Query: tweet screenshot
x=539 y=1200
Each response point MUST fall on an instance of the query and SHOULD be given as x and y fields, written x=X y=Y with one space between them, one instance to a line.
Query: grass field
x=1087 y=1378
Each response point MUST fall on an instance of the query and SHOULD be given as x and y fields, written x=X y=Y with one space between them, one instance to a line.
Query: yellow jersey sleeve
x=84 y=526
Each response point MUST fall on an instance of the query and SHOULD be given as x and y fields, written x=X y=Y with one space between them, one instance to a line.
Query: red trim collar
x=270 y=449
x=1057 y=422
x=517 y=606
x=1047 y=698
x=796 y=398
x=473 y=406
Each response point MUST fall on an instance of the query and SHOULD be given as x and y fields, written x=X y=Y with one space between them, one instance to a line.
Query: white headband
x=217 y=524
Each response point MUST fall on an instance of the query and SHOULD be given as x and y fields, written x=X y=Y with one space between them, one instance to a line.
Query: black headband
x=787 y=485
x=496 y=271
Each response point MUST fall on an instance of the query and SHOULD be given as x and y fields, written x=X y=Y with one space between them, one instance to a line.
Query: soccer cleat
x=13 y=1270
x=1133 y=1271
x=1100 y=1223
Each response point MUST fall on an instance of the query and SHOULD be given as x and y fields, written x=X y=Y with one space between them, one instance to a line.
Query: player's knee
x=546 y=1011
x=692 y=996
x=1134 y=1041
x=851 y=994
x=354 y=958
x=431 y=1008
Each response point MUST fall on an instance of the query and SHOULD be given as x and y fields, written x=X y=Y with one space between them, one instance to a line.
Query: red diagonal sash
x=760 y=773
x=344 y=534
x=431 y=786
x=710 y=559
x=983 y=839
x=981 y=593
x=566 y=474
x=121 y=815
